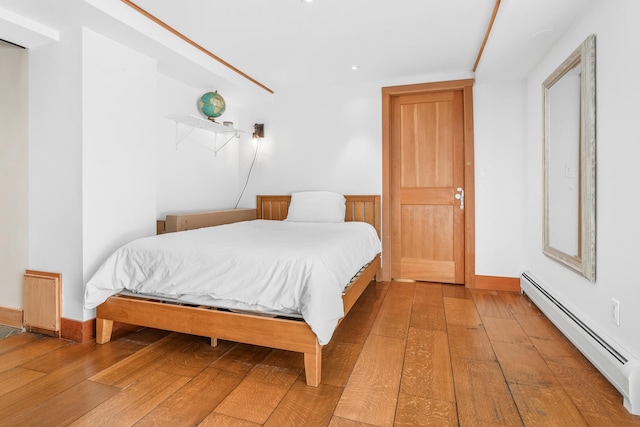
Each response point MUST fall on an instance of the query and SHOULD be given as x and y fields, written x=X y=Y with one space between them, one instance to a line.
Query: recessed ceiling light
x=306 y=1
x=354 y=67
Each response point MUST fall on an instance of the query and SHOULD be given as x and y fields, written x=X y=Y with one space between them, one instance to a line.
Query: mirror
x=569 y=161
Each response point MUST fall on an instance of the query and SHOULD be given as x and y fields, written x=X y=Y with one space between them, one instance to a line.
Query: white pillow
x=316 y=206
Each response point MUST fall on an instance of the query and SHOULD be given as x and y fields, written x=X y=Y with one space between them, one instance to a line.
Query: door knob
x=460 y=196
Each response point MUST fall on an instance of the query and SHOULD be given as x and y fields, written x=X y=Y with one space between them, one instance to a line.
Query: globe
x=212 y=105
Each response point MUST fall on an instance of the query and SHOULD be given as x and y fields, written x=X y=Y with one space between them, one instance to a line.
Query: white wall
x=319 y=138
x=614 y=22
x=118 y=161
x=189 y=176
x=13 y=172
x=91 y=160
x=55 y=164
x=499 y=136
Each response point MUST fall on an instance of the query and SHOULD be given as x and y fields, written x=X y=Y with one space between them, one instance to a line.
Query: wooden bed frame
x=284 y=334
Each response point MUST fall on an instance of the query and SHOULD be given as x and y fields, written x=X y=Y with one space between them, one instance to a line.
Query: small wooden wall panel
x=42 y=300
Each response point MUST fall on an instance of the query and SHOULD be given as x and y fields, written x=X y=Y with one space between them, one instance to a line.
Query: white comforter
x=260 y=265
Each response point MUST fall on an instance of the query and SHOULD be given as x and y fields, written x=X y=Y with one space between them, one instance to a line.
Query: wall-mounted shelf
x=195 y=122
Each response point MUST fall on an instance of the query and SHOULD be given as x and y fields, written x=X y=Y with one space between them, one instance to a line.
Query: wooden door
x=426 y=174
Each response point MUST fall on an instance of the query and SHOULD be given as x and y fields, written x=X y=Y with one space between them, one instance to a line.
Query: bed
x=281 y=332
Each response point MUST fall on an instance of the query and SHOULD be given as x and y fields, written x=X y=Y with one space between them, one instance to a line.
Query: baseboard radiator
x=617 y=365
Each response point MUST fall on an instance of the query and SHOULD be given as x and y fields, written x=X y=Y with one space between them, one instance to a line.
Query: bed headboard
x=359 y=208
x=365 y=208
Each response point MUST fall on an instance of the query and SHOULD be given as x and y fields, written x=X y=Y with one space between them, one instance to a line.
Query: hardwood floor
x=408 y=354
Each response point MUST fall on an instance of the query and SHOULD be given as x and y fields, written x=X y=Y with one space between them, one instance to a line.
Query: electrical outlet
x=615 y=311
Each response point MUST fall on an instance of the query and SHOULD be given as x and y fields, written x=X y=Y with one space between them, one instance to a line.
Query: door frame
x=390 y=92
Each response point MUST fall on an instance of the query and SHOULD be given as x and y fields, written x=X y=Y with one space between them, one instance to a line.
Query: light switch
x=568 y=172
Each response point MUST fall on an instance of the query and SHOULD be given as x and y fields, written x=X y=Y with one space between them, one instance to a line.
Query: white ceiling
x=289 y=44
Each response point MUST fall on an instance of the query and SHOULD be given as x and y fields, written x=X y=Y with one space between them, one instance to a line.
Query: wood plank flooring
x=408 y=354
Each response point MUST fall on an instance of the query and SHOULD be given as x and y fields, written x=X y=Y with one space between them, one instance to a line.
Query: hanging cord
x=255 y=156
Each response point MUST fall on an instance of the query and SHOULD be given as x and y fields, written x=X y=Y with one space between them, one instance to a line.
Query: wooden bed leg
x=313 y=366
x=103 y=330
x=214 y=340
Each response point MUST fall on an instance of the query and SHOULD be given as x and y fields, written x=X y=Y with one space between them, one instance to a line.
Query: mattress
x=275 y=267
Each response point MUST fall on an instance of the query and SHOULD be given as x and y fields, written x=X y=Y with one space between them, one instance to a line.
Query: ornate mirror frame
x=569 y=205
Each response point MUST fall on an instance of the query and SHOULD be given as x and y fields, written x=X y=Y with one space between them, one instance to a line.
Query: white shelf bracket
x=179 y=138
x=216 y=148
